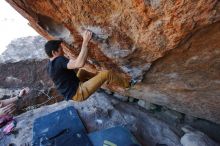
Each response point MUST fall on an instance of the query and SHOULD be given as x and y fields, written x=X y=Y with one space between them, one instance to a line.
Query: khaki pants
x=87 y=88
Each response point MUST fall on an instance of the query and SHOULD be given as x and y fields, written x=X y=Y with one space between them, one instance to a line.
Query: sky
x=12 y=25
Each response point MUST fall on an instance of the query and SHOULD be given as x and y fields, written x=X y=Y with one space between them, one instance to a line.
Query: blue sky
x=12 y=25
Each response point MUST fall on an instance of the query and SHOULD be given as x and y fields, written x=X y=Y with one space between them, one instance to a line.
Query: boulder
x=193 y=137
x=171 y=47
x=97 y=113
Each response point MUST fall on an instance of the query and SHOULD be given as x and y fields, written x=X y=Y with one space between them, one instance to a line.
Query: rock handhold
x=193 y=137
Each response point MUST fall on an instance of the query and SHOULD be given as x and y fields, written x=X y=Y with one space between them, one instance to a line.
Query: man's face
x=60 y=51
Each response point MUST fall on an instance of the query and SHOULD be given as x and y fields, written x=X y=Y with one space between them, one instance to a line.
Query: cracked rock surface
x=101 y=112
x=173 y=47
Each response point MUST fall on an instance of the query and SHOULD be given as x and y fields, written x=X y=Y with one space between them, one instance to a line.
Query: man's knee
x=106 y=73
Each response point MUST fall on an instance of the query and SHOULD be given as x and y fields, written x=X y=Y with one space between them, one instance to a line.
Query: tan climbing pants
x=87 y=88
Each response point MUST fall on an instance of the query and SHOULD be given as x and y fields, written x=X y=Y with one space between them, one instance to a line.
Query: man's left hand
x=8 y=109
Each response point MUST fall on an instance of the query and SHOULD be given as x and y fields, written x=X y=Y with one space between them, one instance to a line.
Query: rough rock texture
x=193 y=137
x=172 y=46
x=23 y=64
x=187 y=79
x=101 y=112
x=32 y=74
x=24 y=73
x=98 y=112
x=31 y=47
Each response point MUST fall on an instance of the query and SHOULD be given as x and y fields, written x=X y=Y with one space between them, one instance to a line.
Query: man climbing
x=70 y=85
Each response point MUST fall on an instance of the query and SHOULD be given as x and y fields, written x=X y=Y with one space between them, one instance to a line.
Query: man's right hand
x=81 y=59
x=87 y=35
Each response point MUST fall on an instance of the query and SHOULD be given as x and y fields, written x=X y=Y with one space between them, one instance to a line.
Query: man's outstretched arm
x=81 y=59
x=13 y=99
x=8 y=106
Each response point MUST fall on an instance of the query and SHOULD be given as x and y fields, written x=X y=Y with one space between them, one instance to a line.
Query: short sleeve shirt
x=65 y=79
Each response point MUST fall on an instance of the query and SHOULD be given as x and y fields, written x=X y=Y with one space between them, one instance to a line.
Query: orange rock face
x=188 y=77
x=137 y=37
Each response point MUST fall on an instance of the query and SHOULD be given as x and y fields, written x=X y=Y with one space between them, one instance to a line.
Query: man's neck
x=52 y=58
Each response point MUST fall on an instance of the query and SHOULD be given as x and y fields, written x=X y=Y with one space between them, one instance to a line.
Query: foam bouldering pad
x=60 y=128
x=117 y=136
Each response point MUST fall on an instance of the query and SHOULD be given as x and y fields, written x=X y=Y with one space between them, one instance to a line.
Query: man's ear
x=54 y=53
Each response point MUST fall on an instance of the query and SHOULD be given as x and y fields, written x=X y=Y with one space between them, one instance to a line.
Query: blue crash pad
x=60 y=128
x=117 y=136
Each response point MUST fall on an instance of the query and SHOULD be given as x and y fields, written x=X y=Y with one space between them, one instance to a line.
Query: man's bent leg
x=87 y=88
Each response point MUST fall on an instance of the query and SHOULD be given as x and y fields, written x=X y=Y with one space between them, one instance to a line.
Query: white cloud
x=12 y=25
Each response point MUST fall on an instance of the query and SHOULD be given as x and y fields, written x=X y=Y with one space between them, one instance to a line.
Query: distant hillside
x=31 y=47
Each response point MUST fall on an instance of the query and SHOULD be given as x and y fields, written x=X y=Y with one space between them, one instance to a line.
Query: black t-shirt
x=65 y=79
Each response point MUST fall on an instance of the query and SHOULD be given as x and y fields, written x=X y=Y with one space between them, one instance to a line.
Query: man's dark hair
x=52 y=45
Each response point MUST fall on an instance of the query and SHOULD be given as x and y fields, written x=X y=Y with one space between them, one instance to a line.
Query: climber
x=70 y=85
x=8 y=106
